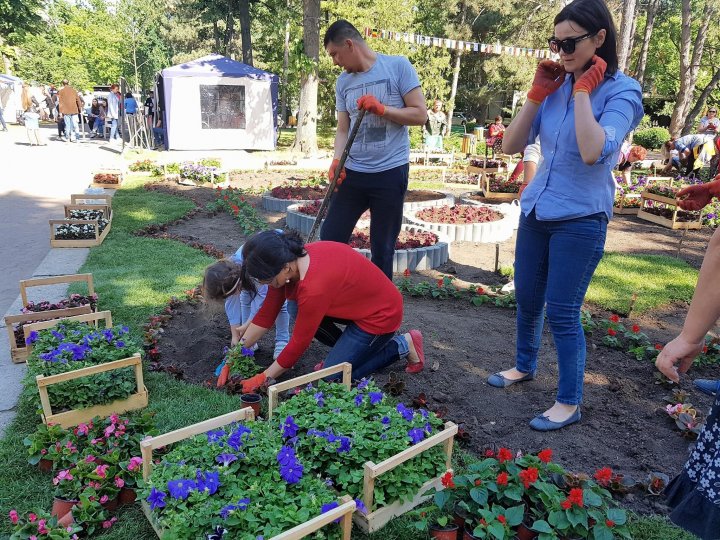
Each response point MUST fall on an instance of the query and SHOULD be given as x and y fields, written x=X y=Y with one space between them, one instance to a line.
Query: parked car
x=462 y=119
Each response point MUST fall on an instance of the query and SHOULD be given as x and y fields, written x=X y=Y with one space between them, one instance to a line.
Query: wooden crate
x=498 y=195
x=26 y=284
x=93 y=317
x=344 y=511
x=77 y=198
x=138 y=400
x=119 y=172
x=374 y=520
x=672 y=223
x=90 y=242
x=20 y=354
x=628 y=211
x=482 y=170
x=106 y=209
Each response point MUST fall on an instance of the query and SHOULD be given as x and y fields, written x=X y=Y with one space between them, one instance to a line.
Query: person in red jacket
x=327 y=280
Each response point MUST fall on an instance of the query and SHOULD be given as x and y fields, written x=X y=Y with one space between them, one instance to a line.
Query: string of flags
x=459 y=45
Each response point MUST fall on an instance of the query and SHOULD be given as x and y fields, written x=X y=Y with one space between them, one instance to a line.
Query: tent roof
x=215 y=65
x=9 y=78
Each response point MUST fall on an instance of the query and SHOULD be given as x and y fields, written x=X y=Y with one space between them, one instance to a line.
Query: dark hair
x=129 y=94
x=339 y=31
x=221 y=279
x=266 y=253
x=593 y=15
x=498 y=118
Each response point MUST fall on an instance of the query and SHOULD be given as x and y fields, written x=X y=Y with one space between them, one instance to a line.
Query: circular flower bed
x=464 y=222
x=407 y=239
x=301 y=216
x=280 y=197
x=423 y=198
x=510 y=210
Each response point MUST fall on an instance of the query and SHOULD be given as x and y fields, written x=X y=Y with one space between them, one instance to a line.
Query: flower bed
x=482 y=166
x=407 y=239
x=423 y=198
x=107 y=178
x=335 y=430
x=230 y=478
x=78 y=366
x=146 y=165
x=199 y=173
x=659 y=205
x=465 y=222
x=280 y=197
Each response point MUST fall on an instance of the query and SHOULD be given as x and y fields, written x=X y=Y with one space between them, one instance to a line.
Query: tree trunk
x=649 y=24
x=229 y=33
x=625 y=37
x=286 y=62
x=245 y=32
x=689 y=63
x=216 y=37
x=453 y=90
x=306 y=133
x=700 y=103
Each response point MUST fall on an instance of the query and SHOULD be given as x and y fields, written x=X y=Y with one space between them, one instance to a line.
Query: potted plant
x=40 y=525
x=439 y=526
x=496 y=523
x=39 y=442
x=130 y=474
x=68 y=486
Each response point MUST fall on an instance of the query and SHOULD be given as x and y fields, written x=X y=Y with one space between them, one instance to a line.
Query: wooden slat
x=275 y=389
x=93 y=316
x=74 y=417
x=659 y=198
x=106 y=210
x=148 y=445
x=54 y=280
x=49 y=380
x=74 y=198
x=344 y=512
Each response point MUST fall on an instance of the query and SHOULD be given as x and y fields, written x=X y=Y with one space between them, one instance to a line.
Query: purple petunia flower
x=226 y=459
x=406 y=413
x=286 y=455
x=359 y=399
x=156 y=499
x=208 y=481
x=344 y=445
x=319 y=399
x=289 y=427
x=385 y=420
x=57 y=335
x=235 y=439
x=375 y=397
x=424 y=413
x=119 y=344
x=363 y=384
x=360 y=506
x=180 y=489
x=292 y=472
x=32 y=338
x=329 y=506
x=246 y=352
x=416 y=435
x=215 y=435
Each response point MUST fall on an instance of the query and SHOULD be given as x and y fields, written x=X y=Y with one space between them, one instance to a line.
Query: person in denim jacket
x=582 y=109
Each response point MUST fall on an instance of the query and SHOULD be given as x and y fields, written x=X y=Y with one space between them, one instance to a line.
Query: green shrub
x=651 y=138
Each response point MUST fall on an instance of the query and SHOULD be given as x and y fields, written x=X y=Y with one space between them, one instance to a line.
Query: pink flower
x=134 y=464
x=101 y=470
x=62 y=475
x=95 y=441
x=32 y=537
x=32 y=517
x=109 y=430
x=83 y=429
x=104 y=499
x=90 y=459
x=119 y=482
x=13 y=516
x=43 y=451
x=114 y=418
x=109 y=523
x=42 y=529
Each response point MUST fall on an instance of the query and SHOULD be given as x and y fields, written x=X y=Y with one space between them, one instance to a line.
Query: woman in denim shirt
x=582 y=109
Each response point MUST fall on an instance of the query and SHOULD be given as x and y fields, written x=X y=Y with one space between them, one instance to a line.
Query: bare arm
x=590 y=135
x=413 y=113
x=341 y=135
x=516 y=134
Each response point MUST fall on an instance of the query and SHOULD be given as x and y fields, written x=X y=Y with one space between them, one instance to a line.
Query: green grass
x=135 y=277
x=325 y=138
x=657 y=280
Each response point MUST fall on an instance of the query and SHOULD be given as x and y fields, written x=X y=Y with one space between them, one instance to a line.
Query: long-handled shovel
x=333 y=183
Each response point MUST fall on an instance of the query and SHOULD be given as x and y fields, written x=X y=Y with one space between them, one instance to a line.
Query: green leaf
x=441 y=499
x=479 y=495
x=558 y=519
x=577 y=518
x=590 y=498
x=515 y=515
x=542 y=526
x=617 y=515
x=497 y=530
x=601 y=532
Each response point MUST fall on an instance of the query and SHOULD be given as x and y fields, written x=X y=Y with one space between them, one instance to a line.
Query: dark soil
x=623 y=426
x=419 y=195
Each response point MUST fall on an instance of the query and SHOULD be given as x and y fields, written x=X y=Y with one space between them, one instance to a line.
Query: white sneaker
x=279 y=347
x=509 y=287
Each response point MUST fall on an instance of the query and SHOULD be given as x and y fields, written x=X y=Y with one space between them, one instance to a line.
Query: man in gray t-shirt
x=376 y=171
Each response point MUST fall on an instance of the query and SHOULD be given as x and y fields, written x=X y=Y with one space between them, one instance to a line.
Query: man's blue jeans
x=554 y=262
x=383 y=193
x=71 y=122
x=113 y=128
x=366 y=352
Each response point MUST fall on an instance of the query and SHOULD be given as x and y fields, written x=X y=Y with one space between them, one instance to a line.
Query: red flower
x=705 y=349
x=502 y=479
x=226 y=198
x=439 y=282
x=635 y=328
x=502 y=519
x=480 y=290
x=614 y=318
x=447 y=480
x=504 y=455
x=611 y=332
x=529 y=476
x=406 y=273
x=482 y=521
x=489 y=453
x=610 y=523
x=658 y=347
x=546 y=455
x=603 y=476
x=478 y=482
x=576 y=497
x=566 y=504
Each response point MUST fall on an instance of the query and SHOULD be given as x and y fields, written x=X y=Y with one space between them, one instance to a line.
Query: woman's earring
x=287 y=281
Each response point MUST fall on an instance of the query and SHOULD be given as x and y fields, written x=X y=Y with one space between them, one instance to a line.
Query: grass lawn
x=325 y=138
x=656 y=279
x=135 y=277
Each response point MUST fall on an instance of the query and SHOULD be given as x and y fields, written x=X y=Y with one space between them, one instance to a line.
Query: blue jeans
x=159 y=135
x=71 y=123
x=99 y=127
x=113 y=128
x=383 y=194
x=250 y=305
x=554 y=263
x=366 y=352
x=2 y=120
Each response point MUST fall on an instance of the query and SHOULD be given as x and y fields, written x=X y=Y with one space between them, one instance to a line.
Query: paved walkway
x=35 y=182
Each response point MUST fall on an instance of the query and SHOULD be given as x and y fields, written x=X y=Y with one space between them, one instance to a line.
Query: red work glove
x=549 y=76
x=697 y=197
x=331 y=172
x=589 y=80
x=371 y=104
x=224 y=374
x=253 y=383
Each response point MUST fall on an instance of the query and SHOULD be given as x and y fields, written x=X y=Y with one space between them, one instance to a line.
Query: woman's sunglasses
x=567 y=45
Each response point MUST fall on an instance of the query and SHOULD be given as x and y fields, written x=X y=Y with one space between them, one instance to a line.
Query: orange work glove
x=549 y=76
x=224 y=375
x=371 y=104
x=331 y=172
x=253 y=383
x=589 y=80
x=697 y=197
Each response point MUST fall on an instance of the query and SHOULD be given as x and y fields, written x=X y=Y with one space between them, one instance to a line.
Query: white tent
x=10 y=97
x=215 y=103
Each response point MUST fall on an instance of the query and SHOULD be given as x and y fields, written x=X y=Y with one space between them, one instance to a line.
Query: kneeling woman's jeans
x=554 y=262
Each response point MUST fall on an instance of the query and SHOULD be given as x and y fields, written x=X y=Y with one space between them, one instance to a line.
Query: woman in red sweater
x=327 y=280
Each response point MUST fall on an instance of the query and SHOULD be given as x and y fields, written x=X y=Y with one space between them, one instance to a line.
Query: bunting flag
x=459 y=45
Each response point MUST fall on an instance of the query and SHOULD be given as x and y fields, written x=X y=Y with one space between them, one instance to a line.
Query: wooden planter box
x=138 y=400
x=26 y=284
x=78 y=198
x=627 y=211
x=672 y=223
x=375 y=519
x=344 y=511
x=20 y=354
x=106 y=209
x=498 y=195
x=482 y=170
x=121 y=178
x=85 y=243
